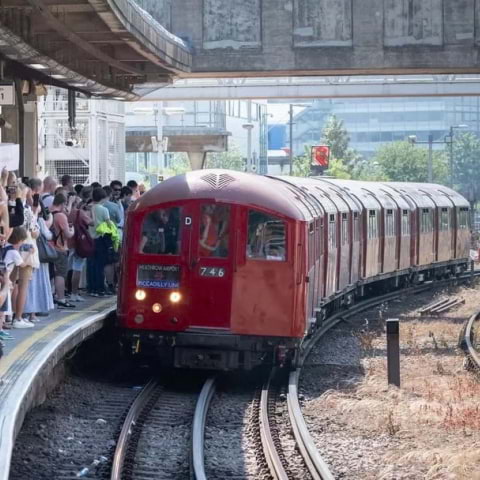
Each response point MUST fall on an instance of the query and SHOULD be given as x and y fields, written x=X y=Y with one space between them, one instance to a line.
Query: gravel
x=365 y=430
x=75 y=429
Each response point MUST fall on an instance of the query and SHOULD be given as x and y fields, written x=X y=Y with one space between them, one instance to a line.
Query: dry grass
x=434 y=419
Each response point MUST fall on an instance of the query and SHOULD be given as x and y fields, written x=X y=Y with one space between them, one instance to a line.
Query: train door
x=269 y=275
x=210 y=249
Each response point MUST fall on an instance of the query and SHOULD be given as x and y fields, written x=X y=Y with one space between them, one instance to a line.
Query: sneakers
x=64 y=304
x=22 y=324
x=5 y=335
x=76 y=298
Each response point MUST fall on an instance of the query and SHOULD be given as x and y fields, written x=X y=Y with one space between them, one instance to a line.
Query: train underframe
x=208 y=349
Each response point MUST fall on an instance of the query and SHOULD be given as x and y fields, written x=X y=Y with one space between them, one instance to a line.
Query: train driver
x=160 y=232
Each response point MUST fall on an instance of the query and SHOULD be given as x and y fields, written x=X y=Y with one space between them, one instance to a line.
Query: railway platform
x=28 y=366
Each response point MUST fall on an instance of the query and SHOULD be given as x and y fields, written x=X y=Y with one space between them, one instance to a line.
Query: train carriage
x=228 y=270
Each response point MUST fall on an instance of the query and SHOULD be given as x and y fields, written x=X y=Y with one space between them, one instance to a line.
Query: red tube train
x=229 y=270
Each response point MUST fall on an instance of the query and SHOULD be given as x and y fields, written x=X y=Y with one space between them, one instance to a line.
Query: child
x=12 y=259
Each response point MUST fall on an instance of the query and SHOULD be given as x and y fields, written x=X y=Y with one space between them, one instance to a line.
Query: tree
x=301 y=163
x=343 y=159
x=338 y=169
x=336 y=136
x=466 y=165
x=179 y=164
x=404 y=162
x=231 y=159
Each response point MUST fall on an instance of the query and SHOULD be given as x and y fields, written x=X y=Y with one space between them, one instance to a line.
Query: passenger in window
x=209 y=231
x=223 y=220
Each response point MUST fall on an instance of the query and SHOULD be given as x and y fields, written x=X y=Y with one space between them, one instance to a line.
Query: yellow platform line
x=8 y=360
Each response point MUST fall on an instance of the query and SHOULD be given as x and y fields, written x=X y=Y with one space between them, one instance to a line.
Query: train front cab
x=225 y=301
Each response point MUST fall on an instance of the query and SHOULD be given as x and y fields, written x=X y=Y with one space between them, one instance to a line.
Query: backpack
x=84 y=243
x=3 y=253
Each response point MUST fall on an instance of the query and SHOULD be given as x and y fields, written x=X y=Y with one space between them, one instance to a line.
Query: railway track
x=267 y=409
x=154 y=440
x=469 y=342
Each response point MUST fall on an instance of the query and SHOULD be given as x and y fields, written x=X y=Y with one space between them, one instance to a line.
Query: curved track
x=469 y=342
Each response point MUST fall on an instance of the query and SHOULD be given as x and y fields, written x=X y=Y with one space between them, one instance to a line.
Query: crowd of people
x=58 y=243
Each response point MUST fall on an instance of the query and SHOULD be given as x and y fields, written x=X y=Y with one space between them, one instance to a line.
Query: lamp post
x=452 y=128
x=413 y=140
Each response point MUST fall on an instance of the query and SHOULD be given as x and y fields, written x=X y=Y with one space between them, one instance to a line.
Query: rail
x=271 y=455
x=317 y=467
x=133 y=414
x=198 y=430
x=471 y=352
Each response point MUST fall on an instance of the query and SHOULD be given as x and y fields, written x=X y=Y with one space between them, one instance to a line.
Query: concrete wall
x=161 y=10
x=330 y=36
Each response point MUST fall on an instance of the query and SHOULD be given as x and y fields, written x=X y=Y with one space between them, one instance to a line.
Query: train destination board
x=158 y=276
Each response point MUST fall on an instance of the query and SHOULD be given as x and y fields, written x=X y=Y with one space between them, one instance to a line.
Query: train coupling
x=281 y=355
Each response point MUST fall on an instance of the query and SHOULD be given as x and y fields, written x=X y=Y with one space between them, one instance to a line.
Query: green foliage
x=466 y=165
x=336 y=136
x=404 y=162
x=232 y=159
x=343 y=160
x=338 y=169
x=179 y=164
x=301 y=163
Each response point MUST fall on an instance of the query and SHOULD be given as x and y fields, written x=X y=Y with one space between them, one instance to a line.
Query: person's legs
x=61 y=268
x=99 y=265
x=78 y=264
x=24 y=277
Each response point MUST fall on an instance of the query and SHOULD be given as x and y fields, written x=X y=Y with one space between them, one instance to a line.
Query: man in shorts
x=62 y=231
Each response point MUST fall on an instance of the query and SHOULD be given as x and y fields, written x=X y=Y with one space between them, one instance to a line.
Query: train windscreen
x=161 y=232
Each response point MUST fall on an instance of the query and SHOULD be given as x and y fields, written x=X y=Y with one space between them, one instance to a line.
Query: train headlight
x=157 y=308
x=140 y=295
x=138 y=319
x=175 y=297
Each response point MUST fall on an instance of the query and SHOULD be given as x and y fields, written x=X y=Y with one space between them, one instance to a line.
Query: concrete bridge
x=325 y=37
x=107 y=47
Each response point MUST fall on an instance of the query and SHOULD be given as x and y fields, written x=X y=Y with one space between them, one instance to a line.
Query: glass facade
x=375 y=121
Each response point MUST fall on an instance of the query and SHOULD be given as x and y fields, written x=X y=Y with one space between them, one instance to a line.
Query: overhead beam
x=59 y=27
x=182 y=91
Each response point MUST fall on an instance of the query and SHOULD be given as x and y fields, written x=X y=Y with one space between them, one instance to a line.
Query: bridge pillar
x=30 y=140
x=28 y=165
x=197 y=160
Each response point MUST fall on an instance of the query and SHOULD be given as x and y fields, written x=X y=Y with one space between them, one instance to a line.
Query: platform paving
x=30 y=360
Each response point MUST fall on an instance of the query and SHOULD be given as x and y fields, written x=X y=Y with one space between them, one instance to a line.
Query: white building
x=94 y=151
x=194 y=126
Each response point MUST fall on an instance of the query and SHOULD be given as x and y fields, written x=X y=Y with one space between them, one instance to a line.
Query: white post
x=159 y=122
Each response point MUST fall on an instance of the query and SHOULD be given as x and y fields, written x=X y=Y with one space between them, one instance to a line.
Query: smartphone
x=25 y=247
x=36 y=200
x=2 y=231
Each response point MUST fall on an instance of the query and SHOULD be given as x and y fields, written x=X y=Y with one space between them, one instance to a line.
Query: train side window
x=344 y=237
x=405 y=223
x=214 y=230
x=372 y=224
x=390 y=223
x=426 y=224
x=444 y=219
x=332 y=232
x=463 y=218
x=266 y=237
x=161 y=232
